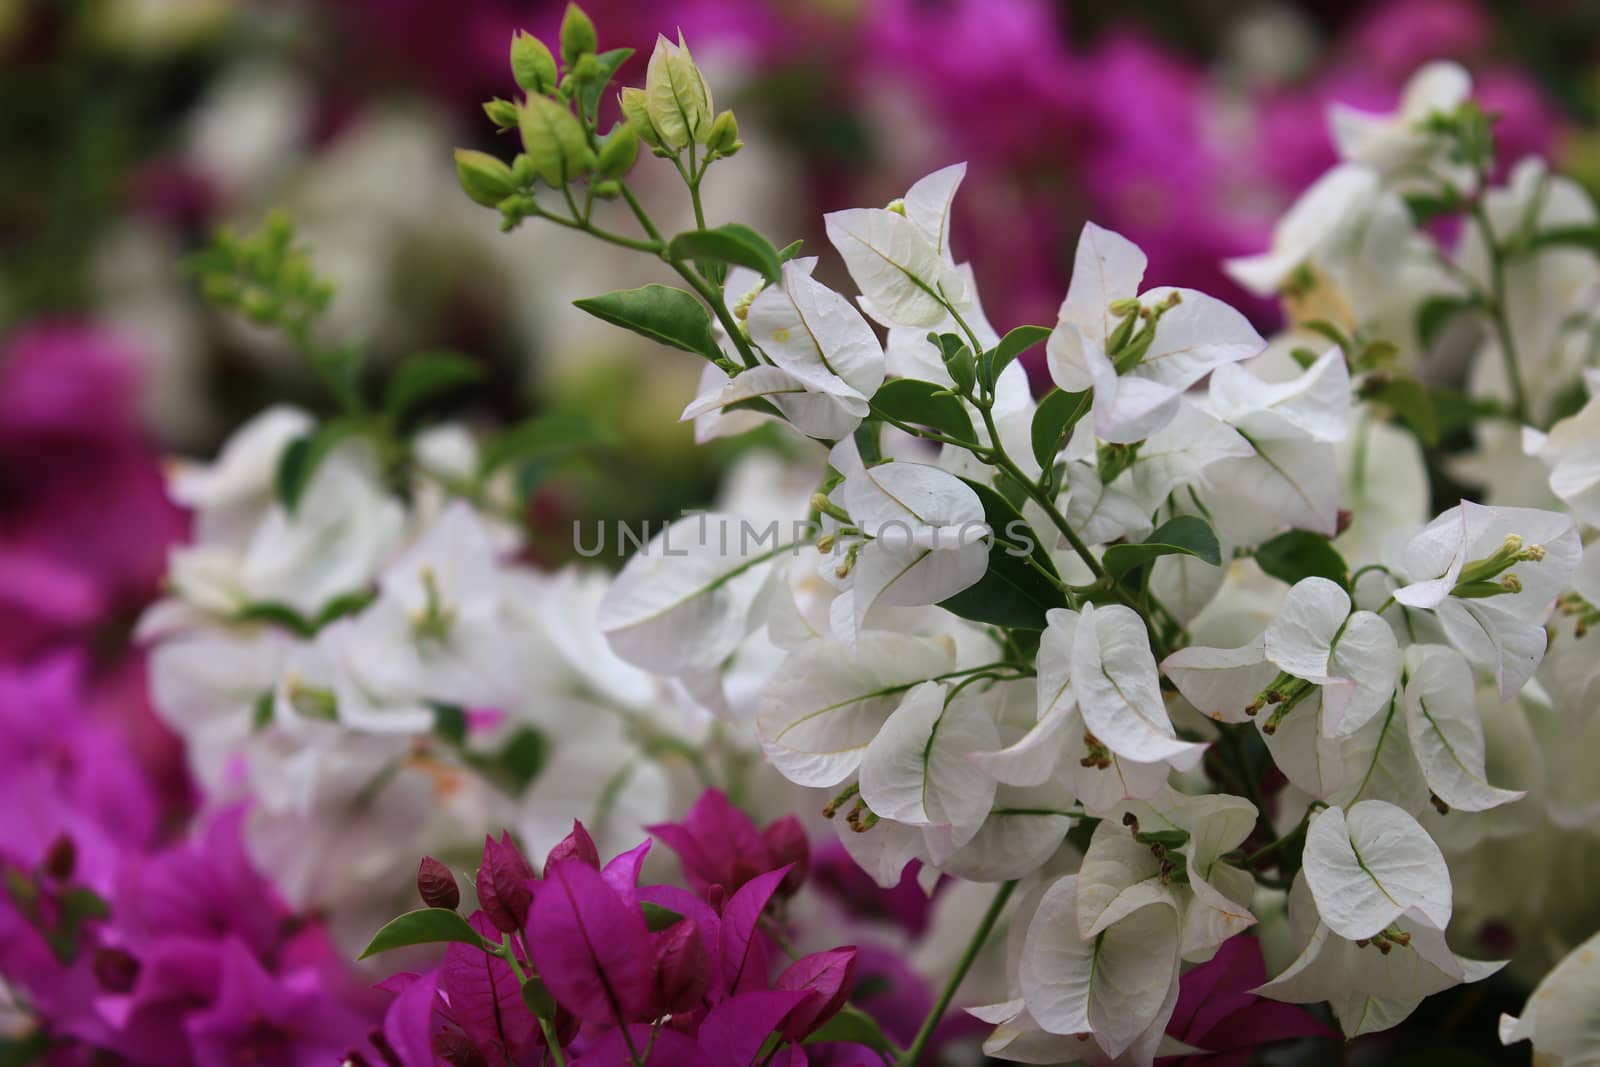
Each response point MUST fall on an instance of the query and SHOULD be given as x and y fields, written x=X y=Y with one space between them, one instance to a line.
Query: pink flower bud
x=828 y=977
x=576 y=845
x=505 y=889
x=61 y=859
x=115 y=970
x=786 y=841
x=679 y=979
x=436 y=885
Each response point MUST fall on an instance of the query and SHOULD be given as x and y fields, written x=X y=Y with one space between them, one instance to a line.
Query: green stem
x=913 y=1054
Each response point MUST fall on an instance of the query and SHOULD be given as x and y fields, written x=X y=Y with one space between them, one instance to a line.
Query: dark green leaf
x=1435 y=312
x=1015 y=591
x=958 y=360
x=1299 y=554
x=421 y=377
x=424 y=926
x=853 y=1026
x=450 y=723
x=867 y=443
x=1012 y=345
x=925 y=404
x=538 y=998
x=1058 y=413
x=661 y=313
x=1187 y=535
x=659 y=917
x=275 y=614
x=522 y=758
x=1331 y=332
x=1425 y=207
x=1410 y=400
x=1587 y=237
x=300 y=460
x=1456 y=411
x=541 y=437
x=734 y=244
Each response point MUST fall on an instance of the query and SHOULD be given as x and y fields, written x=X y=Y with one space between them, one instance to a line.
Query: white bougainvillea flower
x=1116 y=986
x=319 y=685
x=206 y=686
x=682 y=603
x=1023 y=829
x=1370 y=866
x=813 y=414
x=1346 y=663
x=1445 y=732
x=915 y=771
x=818 y=338
x=1562 y=1017
x=1318 y=228
x=1034 y=757
x=1572 y=452
x=1372 y=986
x=1192 y=334
x=436 y=629
x=925 y=538
x=825 y=702
x=1119 y=692
x=904 y=279
x=1292 y=479
x=229 y=494
x=340 y=533
x=1491 y=575
x=1398 y=145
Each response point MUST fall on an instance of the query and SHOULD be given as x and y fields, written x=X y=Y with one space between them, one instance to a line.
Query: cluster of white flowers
x=1056 y=641
x=378 y=674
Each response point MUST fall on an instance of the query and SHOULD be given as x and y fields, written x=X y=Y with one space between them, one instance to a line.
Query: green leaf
x=925 y=404
x=554 y=141
x=1332 y=333
x=856 y=1027
x=1410 y=400
x=1012 y=345
x=518 y=762
x=1587 y=237
x=1298 y=554
x=1014 y=592
x=606 y=69
x=1186 y=535
x=299 y=461
x=425 y=926
x=1456 y=411
x=1058 y=413
x=958 y=360
x=1425 y=207
x=450 y=723
x=539 y=438
x=74 y=909
x=538 y=998
x=658 y=917
x=663 y=314
x=734 y=244
x=421 y=377
x=790 y=250
x=277 y=614
x=1435 y=312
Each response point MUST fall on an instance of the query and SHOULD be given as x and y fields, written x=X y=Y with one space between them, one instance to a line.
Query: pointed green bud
x=553 y=138
x=635 y=110
x=577 y=35
x=676 y=95
x=619 y=150
x=1126 y=306
x=503 y=113
x=724 y=136
x=522 y=170
x=532 y=64
x=608 y=189
x=483 y=177
x=897 y=206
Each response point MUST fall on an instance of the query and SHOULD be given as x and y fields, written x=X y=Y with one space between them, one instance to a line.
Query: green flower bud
x=577 y=35
x=619 y=151
x=554 y=141
x=637 y=112
x=532 y=64
x=484 y=178
x=522 y=170
x=676 y=95
x=724 y=136
x=503 y=113
x=608 y=189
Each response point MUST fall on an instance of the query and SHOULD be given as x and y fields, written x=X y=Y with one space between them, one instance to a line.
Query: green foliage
x=661 y=313
x=925 y=404
x=958 y=360
x=1012 y=345
x=1018 y=588
x=857 y=1027
x=426 y=376
x=554 y=142
x=1299 y=554
x=1187 y=535
x=299 y=461
x=734 y=244
x=424 y=926
x=1057 y=414
x=1410 y=400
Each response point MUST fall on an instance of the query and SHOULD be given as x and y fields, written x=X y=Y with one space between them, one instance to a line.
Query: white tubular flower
x=1139 y=352
x=1491 y=575
x=1399 y=146
x=1562 y=1017
x=1374 y=985
x=924 y=534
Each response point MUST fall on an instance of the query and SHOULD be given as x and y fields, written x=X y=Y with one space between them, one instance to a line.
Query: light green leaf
x=661 y=313
x=424 y=926
x=426 y=375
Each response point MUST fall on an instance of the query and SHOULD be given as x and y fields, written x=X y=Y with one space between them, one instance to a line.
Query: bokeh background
x=130 y=130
